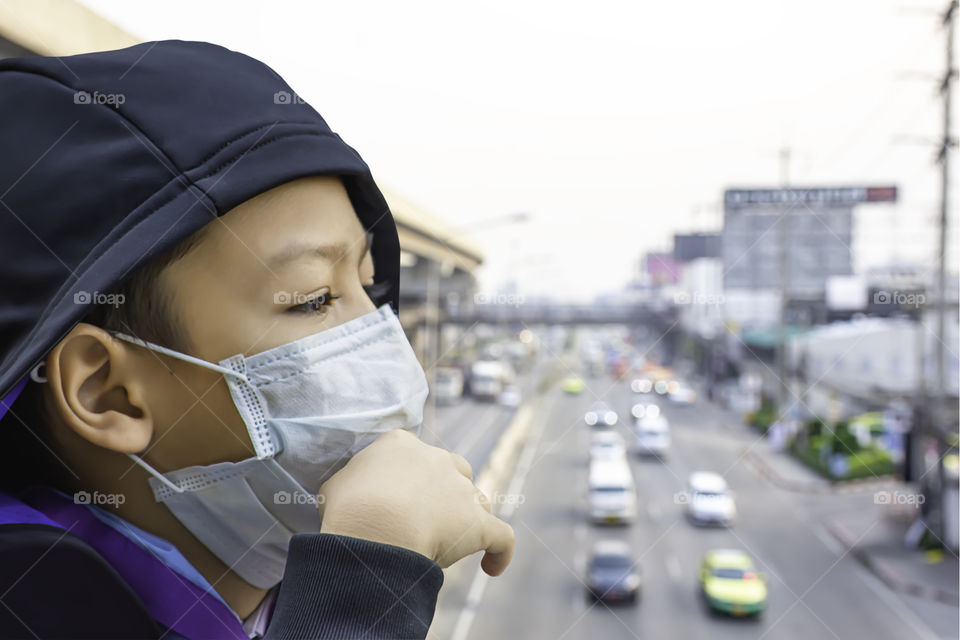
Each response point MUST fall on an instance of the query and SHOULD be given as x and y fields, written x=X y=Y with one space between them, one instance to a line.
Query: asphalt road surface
x=471 y=427
x=815 y=589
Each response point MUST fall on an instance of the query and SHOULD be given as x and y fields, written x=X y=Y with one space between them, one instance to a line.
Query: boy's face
x=284 y=265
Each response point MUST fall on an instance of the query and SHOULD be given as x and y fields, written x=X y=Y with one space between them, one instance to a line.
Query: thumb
x=500 y=550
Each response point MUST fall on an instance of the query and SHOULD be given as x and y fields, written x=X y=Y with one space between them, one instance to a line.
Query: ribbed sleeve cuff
x=342 y=587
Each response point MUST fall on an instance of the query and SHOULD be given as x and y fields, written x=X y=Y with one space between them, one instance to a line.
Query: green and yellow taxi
x=573 y=385
x=731 y=584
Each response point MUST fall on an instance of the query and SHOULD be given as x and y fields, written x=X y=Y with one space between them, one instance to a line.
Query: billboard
x=821 y=196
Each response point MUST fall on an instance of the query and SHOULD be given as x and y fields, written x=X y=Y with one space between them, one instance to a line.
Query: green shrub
x=763 y=417
x=862 y=463
x=815 y=426
x=844 y=440
x=870 y=462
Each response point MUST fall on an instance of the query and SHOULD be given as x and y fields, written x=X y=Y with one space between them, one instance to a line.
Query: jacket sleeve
x=342 y=587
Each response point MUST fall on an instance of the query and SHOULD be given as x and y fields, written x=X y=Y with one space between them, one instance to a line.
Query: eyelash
x=375 y=292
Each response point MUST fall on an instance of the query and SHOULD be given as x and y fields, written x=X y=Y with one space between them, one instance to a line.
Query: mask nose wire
x=186 y=358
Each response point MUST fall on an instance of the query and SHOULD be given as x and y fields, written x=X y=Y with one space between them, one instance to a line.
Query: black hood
x=107 y=159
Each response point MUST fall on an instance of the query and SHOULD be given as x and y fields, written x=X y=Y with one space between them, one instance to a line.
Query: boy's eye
x=318 y=304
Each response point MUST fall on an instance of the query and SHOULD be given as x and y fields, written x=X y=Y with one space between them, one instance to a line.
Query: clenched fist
x=404 y=492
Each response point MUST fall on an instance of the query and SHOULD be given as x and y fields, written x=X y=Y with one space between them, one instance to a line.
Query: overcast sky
x=614 y=124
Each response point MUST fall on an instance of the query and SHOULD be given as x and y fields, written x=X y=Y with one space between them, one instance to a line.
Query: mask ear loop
x=156 y=474
x=180 y=356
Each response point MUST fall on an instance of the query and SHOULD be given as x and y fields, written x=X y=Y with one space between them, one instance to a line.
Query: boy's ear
x=98 y=390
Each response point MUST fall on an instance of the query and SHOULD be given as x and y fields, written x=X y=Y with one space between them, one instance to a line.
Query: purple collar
x=172 y=600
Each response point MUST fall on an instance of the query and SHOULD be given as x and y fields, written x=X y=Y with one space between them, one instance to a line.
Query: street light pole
x=784 y=255
x=432 y=315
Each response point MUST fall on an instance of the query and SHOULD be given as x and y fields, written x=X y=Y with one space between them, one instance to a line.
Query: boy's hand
x=403 y=492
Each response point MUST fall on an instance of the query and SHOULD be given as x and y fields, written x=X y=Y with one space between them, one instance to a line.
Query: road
x=471 y=427
x=815 y=589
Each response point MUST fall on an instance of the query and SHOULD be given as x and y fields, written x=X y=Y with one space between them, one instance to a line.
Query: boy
x=209 y=421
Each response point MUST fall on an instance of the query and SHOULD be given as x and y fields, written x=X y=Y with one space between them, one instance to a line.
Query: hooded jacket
x=106 y=160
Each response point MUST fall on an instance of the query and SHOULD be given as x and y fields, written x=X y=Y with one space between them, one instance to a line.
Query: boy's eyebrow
x=332 y=253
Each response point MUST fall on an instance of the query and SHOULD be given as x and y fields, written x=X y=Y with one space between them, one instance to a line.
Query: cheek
x=192 y=432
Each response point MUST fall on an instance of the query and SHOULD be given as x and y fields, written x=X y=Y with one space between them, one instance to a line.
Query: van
x=447 y=385
x=612 y=494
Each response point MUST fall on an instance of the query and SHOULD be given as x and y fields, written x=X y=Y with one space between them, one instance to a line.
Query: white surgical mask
x=309 y=406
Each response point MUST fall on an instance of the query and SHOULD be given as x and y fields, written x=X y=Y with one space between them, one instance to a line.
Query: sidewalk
x=875 y=537
x=871 y=533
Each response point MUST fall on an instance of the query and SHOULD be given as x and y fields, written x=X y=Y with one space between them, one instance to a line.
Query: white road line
x=896 y=604
x=580 y=532
x=653 y=510
x=673 y=567
x=580 y=562
x=465 y=620
x=828 y=540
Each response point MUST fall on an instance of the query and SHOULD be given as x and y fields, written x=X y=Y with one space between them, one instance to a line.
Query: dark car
x=600 y=415
x=612 y=573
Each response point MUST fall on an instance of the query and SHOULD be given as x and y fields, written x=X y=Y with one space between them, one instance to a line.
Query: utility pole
x=940 y=414
x=783 y=237
x=946 y=91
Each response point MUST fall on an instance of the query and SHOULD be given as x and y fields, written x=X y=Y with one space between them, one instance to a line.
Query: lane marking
x=465 y=620
x=828 y=540
x=580 y=562
x=653 y=510
x=673 y=567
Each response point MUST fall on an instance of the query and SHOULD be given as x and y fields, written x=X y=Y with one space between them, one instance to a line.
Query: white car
x=607 y=445
x=682 y=394
x=709 y=500
x=510 y=397
x=653 y=434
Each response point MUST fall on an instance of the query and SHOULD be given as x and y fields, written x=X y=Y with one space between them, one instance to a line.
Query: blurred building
x=870 y=361
x=437 y=275
x=659 y=268
x=817 y=222
x=691 y=246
